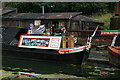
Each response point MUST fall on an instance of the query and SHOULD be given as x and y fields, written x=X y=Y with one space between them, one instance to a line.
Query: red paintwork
x=114 y=50
x=117 y=9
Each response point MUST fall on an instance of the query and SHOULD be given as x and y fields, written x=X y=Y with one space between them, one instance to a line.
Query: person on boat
x=61 y=29
x=31 y=26
x=58 y=30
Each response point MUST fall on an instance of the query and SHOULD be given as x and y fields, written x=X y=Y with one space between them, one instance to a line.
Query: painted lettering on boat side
x=40 y=42
x=44 y=42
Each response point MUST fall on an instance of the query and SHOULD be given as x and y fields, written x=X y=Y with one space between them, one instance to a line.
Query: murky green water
x=89 y=69
x=42 y=67
x=100 y=70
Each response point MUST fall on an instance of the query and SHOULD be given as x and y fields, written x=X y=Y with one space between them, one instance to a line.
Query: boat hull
x=114 y=56
x=41 y=54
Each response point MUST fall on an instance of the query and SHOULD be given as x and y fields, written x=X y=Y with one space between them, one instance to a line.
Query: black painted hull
x=40 y=54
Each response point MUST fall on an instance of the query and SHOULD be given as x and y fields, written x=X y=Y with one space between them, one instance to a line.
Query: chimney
x=117 y=9
x=43 y=10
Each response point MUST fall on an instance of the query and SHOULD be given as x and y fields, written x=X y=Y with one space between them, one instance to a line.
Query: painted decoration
x=40 y=42
x=110 y=32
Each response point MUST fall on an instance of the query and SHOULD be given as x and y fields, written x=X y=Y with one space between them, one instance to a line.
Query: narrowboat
x=114 y=48
x=56 y=48
x=114 y=51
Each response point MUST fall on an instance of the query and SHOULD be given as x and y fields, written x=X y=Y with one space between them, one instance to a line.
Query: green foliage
x=25 y=6
x=88 y=8
x=101 y=11
x=104 y=18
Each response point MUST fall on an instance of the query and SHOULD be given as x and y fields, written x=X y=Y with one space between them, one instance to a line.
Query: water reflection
x=100 y=70
x=42 y=67
x=89 y=69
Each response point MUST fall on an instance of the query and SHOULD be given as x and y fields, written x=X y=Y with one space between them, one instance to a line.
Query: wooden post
x=63 y=41
x=70 y=41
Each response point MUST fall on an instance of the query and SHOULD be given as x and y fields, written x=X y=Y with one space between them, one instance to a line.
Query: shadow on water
x=89 y=69
x=41 y=67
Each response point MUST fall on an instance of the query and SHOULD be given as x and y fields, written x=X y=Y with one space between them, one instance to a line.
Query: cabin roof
x=62 y=15
x=86 y=19
x=51 y=16
x=11 y=13
x=6 y=11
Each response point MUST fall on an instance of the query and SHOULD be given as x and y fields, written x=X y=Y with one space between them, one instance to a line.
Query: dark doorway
x=55 y=23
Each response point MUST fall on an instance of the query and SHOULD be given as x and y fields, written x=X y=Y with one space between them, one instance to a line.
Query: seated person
x=61 y=29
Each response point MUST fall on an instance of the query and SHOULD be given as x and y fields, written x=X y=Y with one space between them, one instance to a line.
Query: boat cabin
x=70 y=20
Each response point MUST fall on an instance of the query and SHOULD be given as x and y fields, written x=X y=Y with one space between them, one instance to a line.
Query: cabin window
x=82 y=25
x=86 y=26
x=75 y=26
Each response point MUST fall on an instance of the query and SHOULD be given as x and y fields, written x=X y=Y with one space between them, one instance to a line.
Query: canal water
x=88 y=69
x=41 y=67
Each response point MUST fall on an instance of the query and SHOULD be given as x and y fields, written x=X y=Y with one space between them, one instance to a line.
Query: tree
x=88 y=8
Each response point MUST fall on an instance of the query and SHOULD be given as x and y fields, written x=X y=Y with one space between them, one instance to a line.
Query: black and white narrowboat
x=59 y=48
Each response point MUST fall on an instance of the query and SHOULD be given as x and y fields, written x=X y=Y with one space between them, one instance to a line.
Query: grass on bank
x=9 y=74
x=105 y=18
